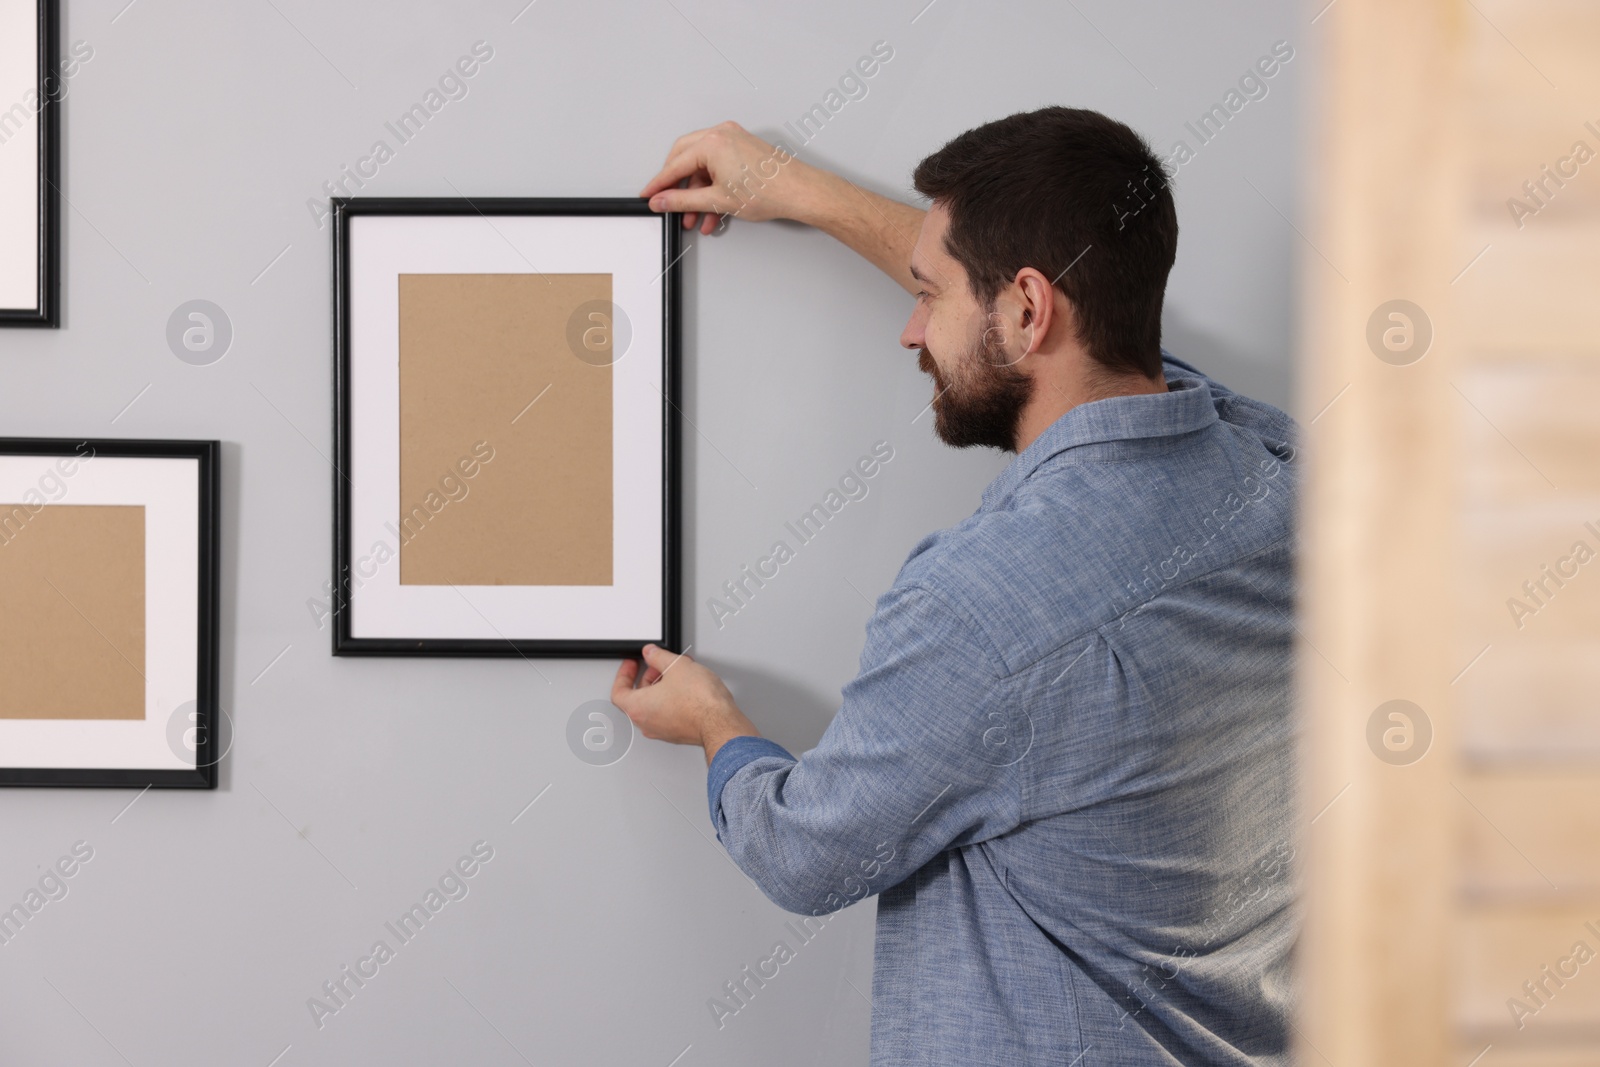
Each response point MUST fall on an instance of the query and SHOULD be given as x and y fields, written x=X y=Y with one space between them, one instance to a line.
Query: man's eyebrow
x=918 y=275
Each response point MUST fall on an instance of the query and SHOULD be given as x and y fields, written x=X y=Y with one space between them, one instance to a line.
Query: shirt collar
x=1185 y=407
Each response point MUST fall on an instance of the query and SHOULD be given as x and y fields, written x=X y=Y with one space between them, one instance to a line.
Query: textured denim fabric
x=1067 y=764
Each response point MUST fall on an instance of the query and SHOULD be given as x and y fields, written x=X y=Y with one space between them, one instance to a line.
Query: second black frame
x=208 y=715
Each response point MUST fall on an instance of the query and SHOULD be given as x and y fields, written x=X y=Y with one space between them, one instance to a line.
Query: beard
x=980 y=402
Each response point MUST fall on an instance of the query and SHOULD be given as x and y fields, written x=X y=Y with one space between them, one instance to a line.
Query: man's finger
x=622 y=685
x=697 y=180
x=678 y=168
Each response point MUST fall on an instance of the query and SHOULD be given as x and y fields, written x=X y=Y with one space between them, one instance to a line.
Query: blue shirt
x=1067 y=764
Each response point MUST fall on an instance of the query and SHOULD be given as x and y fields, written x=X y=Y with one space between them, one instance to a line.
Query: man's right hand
x=731 y=172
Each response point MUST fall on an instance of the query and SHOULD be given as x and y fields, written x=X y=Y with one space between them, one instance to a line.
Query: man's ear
x=1036 y=312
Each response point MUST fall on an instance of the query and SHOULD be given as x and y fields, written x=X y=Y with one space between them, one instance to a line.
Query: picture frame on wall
x=108 y=613
x=31 y=90
x=506 y=423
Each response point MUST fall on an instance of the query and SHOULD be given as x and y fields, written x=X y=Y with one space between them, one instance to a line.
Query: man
x=1066 y=766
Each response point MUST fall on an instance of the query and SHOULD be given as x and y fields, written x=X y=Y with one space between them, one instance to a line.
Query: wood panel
x=1529 y=976
x=1529 y=835
x=1493 y=481
x=1377 y=525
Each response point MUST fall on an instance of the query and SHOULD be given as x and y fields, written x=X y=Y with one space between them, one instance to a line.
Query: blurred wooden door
x=1451 y=379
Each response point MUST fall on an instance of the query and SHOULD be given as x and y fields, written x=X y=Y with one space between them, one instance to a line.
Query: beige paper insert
x=72 y=634
x=475 y=351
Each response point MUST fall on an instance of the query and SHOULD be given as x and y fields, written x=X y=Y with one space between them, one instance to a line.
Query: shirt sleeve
x=923 y=756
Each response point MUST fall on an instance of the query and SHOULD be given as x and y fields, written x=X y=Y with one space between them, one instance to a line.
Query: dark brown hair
x=1077 y=196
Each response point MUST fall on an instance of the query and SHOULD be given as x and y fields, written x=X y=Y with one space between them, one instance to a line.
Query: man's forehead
x=928 y=252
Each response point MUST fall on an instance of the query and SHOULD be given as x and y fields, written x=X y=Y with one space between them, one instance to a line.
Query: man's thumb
x=658 y=657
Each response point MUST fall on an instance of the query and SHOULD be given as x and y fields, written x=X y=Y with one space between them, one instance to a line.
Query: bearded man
x=1066 y=768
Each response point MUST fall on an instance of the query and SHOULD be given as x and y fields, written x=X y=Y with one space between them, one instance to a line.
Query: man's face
x=978 y=393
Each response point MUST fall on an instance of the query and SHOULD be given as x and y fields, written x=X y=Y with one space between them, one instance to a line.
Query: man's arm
x=880 y=230
x=923 y=755
x=725 y=170
x=926 y=753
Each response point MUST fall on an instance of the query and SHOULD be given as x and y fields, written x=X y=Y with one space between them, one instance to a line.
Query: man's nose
x=913 y=335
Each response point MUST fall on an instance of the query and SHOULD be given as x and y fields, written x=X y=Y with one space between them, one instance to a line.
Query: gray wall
x=608 y=915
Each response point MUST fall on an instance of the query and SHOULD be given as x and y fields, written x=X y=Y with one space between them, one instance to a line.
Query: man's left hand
x=678 y=700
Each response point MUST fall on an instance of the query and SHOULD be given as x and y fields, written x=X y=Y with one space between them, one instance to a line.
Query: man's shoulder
x=1078 y=540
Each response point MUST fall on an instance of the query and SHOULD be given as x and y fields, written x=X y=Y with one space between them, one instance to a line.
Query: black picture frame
x=47 y=313
x=669 y=632
x=207 y=708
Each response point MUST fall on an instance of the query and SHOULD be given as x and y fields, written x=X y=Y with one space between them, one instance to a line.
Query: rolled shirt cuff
x=734 y=754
